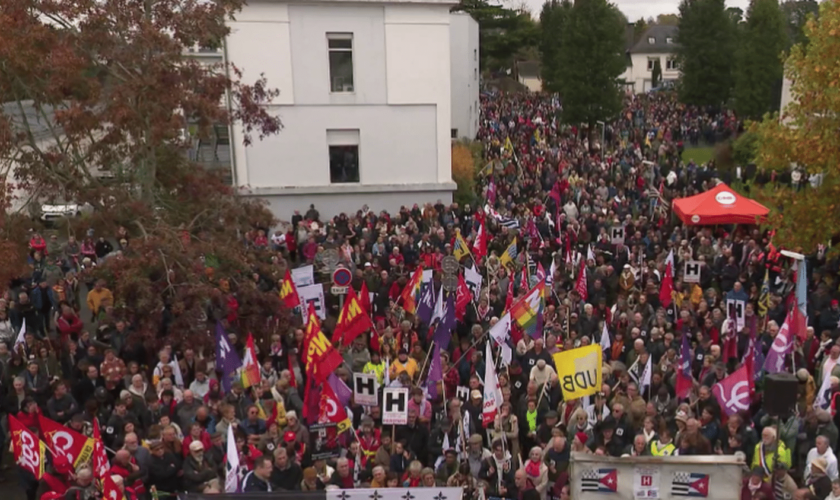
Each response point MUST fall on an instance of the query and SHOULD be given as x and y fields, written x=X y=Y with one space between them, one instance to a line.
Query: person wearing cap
x=164 y=468
x=476 y=453
x=421 y=406
x=822 y=451
x=818 y=483
x=605 y=437
x=199 y=473
x=754 y=487
x=448 y=466
x=403 y=364
x=295 y=426
x=830 y=316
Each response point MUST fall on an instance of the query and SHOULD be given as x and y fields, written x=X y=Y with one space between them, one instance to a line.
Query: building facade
x=658 y=43
x=464 y=74
x=364 y=100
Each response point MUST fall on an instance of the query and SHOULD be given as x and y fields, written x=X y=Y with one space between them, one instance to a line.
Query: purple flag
x=435 y=372
x=227 y=361
x=340 y=389
x=755 y=346
x=491 y=193
x=443 y=331
x=427 y=302
x=782 y=344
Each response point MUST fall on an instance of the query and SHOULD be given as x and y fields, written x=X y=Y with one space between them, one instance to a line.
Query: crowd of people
x=554 y=191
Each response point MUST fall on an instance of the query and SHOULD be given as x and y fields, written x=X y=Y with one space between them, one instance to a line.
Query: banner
x=473 y=279
x=366 y=388
x=492 y=393
x=339 y=494
x=733 y=392
x=579 y=371
x=304 y=276
x=313 y=294
x=395 y=406
x=30 y=453
x=323 y=441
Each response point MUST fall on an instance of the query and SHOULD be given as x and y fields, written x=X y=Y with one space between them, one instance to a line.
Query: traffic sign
x=449 y=264
x=450 y=282
x=342 y=277
x=338 y=290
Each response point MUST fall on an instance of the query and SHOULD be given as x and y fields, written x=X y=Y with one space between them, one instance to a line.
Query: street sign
x=449 y=264
x=450 y=282
x=342 y=277
x=338 y=290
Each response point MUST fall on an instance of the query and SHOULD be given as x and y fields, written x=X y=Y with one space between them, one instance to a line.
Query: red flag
x=582 y=285
x=331 y=410
x=666 y=289
x=319 y=355
x=29 y=451
x=311 y=397
x=364 y=298
x=411 y=293
x=733 y=392
x=352 y=321
x=55 y=484
x=479 y=248
x=75 y=447
x=110 y=490
x=798 y=321
x=288 y=292
x=100 y=458
x=510 y=297
x=463 y=298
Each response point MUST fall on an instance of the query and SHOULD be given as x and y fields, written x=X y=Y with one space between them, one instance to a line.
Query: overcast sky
x=634 y=9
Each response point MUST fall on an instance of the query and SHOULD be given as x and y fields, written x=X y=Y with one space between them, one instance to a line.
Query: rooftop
x=656 y=40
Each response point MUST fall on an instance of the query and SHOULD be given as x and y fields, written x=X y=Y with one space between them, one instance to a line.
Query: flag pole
x=423 y=366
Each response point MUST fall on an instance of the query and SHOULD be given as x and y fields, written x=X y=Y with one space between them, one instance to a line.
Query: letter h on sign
x=366 y=385
x=395 y=402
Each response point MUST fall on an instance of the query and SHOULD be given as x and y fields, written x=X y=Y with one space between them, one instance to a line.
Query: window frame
x=341 y=36
x=672 y=64
x=651 y=40
x=651 y=62
x=344 y=138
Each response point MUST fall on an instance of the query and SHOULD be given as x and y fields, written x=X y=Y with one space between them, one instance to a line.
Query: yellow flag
x=579 y=371
x=537 y=135
x=510 y=254
x=508 y=145
x=461 y=248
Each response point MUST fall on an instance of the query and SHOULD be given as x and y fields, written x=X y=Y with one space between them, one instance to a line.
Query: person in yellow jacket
x=403 y=364
x=664 y=446
x=769 y=450
x=375 y=367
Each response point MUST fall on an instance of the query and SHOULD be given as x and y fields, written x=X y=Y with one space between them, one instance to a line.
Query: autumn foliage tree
x=96 y=87
x=806 y=135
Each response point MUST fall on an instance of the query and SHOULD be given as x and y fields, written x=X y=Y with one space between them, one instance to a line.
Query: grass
x=700 y=155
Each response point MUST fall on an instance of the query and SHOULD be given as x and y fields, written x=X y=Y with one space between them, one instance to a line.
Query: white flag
x=176 y=371
x=605 y=338
x=492 y=393
x=645 y=378
x=20 y=339
x=440 y=308
x=590 y=255
x=232 y=474
x=500 y=332
x=822 y=397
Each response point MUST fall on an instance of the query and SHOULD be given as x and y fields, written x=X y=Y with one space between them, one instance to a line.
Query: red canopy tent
x=719 y=205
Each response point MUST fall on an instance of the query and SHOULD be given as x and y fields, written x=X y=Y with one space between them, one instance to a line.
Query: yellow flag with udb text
x=579 y=371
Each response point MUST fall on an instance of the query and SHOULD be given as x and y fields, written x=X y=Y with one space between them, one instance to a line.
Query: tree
x=113 y=93
x=667 y=19
x=736 y=15
x=796 y=13
x=639 y=29
x=758 y=74
x=656 y=74
x=553 y=21
x=591 y=55
x=503 y=33
x=706 y=51
x=805 y=134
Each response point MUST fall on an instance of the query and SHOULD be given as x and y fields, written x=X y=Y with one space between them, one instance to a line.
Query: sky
x=634 y=9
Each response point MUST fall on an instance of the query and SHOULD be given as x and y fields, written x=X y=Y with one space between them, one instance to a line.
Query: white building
x=364 y=100
x=658 y=43
x=463 y=39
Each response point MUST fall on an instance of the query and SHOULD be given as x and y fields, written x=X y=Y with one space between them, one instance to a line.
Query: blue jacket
x=38 y=297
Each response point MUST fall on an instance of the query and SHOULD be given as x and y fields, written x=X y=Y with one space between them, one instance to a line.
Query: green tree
x=706 y=50
x=758 y=74
x=592 y=57
x=667 y=19
x=502 y=33
x=553 y=20
x=639 y=28
x=807 y=135
x=736 y=15
x=656 y=74
x=796 y=14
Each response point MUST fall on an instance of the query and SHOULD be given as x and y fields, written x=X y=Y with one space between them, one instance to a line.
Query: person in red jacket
x=38 y=244
x=69 y=324
x=755 y=485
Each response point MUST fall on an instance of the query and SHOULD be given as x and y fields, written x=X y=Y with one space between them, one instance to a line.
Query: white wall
x=640 y=77
x=401 y=104
x=533 y=83
x=464 y=54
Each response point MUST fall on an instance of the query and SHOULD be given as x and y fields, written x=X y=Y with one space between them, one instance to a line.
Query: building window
x=453 y=133
x=669 y=40
x=651 y=40
x=475 y=54
x=341 y=61
x=475 y=73
x=672 y=63
x=344 y=155
x=651 y=62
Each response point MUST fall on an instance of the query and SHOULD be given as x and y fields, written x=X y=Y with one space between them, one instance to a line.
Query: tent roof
x=719 y=205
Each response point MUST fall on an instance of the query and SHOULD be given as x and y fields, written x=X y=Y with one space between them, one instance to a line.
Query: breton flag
x=600 y=480
x=690 y=484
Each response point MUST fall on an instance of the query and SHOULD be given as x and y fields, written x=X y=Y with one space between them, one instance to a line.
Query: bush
x=463 y=173
x=744 y=149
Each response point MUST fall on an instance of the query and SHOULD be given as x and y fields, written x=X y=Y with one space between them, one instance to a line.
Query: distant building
x=365 y=100
x=657 y=43
x=463 y=39
x=528 y=74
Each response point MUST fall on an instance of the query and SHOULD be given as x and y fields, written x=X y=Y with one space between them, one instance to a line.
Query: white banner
x=617 y=235
x=315 y=295
x=366 y=389
x=303 y=276
x=736 y=308
x=396 y=494
x=395 y=406
x=473 y=280
x=691 y=271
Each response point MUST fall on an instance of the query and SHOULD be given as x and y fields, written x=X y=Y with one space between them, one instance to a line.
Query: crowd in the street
x=554 y=191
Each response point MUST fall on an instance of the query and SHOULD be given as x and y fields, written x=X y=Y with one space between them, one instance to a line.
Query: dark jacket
x=252 y=483
x=163 y=472
x=196 y=474
x=288 y=479
x=67 y=405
